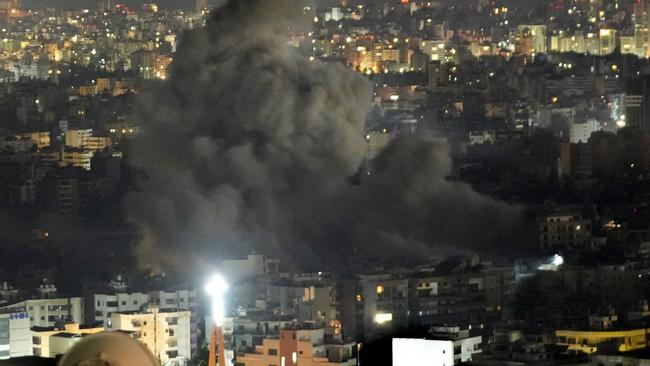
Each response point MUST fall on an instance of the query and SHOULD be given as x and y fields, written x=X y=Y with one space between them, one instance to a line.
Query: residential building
x=15 y=338
x=570 y=231
x=165 y=333
x=300 y=346
x=51 y=342
x=49 y=312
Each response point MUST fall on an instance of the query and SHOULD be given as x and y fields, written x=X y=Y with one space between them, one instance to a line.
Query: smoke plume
x=251 y=146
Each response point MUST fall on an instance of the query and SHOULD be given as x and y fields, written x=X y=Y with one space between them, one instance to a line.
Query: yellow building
x=51 y=341
x=87 y=90
x=580 y=341
x=42 y=139
x=165 y=333
x=607 y=41
x=79 y=158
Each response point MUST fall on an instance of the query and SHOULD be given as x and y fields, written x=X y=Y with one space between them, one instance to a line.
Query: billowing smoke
x=251 y=146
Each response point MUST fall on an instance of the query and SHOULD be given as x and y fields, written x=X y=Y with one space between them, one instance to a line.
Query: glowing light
x=383 y=318
x=216 y=289
x=380 y=289
x=553 y=265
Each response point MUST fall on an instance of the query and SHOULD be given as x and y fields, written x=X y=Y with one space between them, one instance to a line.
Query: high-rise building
x=637 y=103
x=641 y=27
x=436 y=75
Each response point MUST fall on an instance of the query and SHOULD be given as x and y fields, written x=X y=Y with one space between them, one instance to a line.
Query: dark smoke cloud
x=250 y=146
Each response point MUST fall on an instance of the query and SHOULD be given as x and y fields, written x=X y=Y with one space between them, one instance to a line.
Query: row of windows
x=114 y=304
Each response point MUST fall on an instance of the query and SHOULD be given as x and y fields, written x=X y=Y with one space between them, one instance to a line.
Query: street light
x=216 y=289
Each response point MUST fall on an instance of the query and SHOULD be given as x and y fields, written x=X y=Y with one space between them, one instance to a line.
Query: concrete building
x=77 y=157
x=581 y=132
x=51 y=342
x=77 y=138
x=422 y=352
x=300 y=347
x=85 y=139
x=165 y=333
x=464 y=345
x=49 y=312
x=453 y=347
x=101 y=307
x=608 y=38
x=307 y=303
x=569 y=231
x=536 y=33
x=385 y=303
x=15 y=338
x=41 y=138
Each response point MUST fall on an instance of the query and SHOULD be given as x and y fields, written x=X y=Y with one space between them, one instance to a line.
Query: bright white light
x=216 y=289
x=383 y=318
x=553 y=265
x=422 y=352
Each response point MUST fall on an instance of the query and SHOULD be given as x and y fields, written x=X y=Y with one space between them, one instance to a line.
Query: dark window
x=273 y=352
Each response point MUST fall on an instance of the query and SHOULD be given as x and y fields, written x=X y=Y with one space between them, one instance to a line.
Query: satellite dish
x=109 y=349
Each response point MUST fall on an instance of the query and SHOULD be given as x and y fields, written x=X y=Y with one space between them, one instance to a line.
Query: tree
x=200 y=356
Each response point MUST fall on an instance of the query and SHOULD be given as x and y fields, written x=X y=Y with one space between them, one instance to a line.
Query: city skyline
x=334 y=183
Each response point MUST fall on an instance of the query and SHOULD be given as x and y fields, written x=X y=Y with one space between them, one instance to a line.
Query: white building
x=581 y=132
x=15 y=337
x=49 y=312
x=464 y=346
x=422 y=352
x=457 y=347
x=105 y=305
x=165 y=333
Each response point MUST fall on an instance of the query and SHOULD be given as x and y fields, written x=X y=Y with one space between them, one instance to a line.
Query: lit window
x=383 y=318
